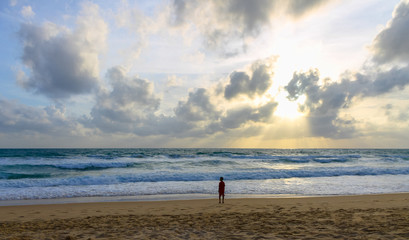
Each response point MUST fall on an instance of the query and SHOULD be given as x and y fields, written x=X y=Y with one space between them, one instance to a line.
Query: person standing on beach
x=221 y=190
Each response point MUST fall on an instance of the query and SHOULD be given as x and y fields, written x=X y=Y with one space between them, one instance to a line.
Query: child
x=221 y=190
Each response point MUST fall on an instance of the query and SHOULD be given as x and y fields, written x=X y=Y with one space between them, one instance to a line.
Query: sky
x=192 y=73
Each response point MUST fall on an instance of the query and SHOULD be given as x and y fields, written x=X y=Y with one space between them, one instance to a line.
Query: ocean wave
x=11 y=176
x=30 y=173
x=211 y=163
x=180 y=176
x=81 y=166
x=306 y=159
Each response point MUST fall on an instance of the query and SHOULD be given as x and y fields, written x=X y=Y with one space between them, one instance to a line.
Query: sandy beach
x=346 y=217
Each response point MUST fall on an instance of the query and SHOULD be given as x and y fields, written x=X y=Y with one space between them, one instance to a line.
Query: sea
x=32 y=175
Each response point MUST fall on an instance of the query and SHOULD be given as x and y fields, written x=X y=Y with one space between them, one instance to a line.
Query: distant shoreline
x=207 y=148
x=144 y=198
x=167 y=197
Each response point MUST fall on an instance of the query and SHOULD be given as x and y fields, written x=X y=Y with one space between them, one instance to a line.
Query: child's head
x=221 y=178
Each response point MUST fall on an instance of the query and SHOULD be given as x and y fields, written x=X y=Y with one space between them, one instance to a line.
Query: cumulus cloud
x=126 y=106
x=325 y=99
x=256 y=81
x=322 y=103
x=198 y=107
x=20 y=118
x=203 y=117
x=384 y=82
x=207 y=113
x=236 y=117
x=227 y=25
x=129 y=105
x=392 y=43
x=63 y=63
x=27 y=12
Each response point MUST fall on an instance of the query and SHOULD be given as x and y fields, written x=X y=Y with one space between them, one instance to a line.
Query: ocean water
x=80 y=173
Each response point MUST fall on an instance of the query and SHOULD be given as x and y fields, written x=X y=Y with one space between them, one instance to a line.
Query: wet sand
x=346 y=217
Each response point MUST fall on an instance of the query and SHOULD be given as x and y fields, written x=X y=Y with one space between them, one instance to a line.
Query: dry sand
x=345 y=217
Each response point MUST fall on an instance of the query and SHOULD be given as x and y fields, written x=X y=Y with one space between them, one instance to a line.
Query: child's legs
x=221 y=198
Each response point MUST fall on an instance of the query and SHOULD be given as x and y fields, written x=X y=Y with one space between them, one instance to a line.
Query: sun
x=288 y=109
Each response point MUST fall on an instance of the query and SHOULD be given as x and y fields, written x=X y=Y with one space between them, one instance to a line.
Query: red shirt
x=221 y=188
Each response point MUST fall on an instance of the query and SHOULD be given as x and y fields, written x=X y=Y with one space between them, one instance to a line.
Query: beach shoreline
x=357 y=216
x=142 y=198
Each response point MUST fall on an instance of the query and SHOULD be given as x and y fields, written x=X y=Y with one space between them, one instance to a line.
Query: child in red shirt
x=221 y=190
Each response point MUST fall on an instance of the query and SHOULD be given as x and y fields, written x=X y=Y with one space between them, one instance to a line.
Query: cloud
x=140 y=25
x=392 y=43
x=126 y=106
x=256 y=81
x=27 y=12
x=322 y=103
x=385 y=82
x=129 y=106
x=197 y=108
x=228 y=25
x=173 y=81
x=298 y=8
x=396 y=113
x=236 y=117
x=202 y=117
x=325 y=99
x=22 y=119
x=13 y=3
x=63 y=63
x=207 y=113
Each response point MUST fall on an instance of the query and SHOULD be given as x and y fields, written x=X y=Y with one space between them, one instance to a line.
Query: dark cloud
x=55 y=62
x=386 y=81
x=179 y=9
x=254 y=82
x=127 y=91
x=251 y=16
x=126 y=106
x=225 y=25
x=298 y=8
x=202 y=115
x=239 y=82
x=322 y=103
x=197 y=108
x=392 y=43
x=235 y=118
x=302 y=83
x=325 y=99
x=63 y=63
